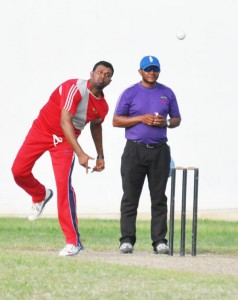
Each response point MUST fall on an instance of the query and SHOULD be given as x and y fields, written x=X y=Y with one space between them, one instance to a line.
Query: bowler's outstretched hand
x=83 y=161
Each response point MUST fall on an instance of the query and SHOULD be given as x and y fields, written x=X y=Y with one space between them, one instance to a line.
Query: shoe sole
x=162 y=252
x=45 y=202
x=126 y=251
x=73 y=254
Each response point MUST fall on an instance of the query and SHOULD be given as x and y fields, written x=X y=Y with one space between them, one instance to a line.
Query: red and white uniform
x=46 y=135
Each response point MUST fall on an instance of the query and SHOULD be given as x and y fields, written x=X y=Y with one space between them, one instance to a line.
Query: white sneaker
x=37 y=208
x=126 y=248
x=70 y=250
x=162 y=249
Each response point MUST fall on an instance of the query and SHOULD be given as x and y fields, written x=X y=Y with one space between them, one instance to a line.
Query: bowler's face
x=101 y=77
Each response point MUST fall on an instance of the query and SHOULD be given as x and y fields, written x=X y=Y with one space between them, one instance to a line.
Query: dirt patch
x=202 y=263
x=206 y=264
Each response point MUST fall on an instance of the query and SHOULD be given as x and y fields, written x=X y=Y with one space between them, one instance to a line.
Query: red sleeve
x=70 y=96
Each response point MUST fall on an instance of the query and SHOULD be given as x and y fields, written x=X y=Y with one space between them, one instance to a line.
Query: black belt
x=150 y=146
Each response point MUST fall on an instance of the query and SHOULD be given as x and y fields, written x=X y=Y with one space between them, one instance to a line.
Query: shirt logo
x=164 y=99
x=95 y=111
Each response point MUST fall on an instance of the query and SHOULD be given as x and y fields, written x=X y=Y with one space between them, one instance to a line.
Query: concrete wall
x=44 y=42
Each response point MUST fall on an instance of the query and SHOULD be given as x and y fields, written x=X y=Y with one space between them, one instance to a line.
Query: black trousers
x=137 y=162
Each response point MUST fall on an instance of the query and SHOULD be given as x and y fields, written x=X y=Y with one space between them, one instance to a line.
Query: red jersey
x=74 y=96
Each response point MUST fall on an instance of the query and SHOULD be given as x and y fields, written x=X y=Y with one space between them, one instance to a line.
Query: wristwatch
x=167 y=123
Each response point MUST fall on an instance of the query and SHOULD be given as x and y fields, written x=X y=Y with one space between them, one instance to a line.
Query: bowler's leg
x=29 y=153
x=63 y=162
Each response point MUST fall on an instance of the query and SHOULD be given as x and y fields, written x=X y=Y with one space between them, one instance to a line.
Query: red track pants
x=36 y=143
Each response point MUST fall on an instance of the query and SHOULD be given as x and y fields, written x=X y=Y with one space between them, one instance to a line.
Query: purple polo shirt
x=138 y=100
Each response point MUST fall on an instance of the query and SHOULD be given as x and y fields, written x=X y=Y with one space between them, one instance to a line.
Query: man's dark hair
x=105 y=64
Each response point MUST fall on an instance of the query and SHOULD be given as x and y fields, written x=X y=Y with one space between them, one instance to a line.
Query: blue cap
x=148 y=61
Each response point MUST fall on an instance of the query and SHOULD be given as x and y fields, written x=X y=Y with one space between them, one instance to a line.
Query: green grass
x=31 y=269
x=213 y=236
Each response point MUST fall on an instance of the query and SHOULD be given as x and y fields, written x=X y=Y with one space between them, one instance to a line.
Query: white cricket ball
x=180 y=35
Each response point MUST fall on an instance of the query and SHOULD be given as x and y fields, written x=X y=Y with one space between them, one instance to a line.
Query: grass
x=29 y=274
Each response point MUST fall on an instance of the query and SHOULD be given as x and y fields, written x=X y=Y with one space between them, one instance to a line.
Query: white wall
x=44 y=42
